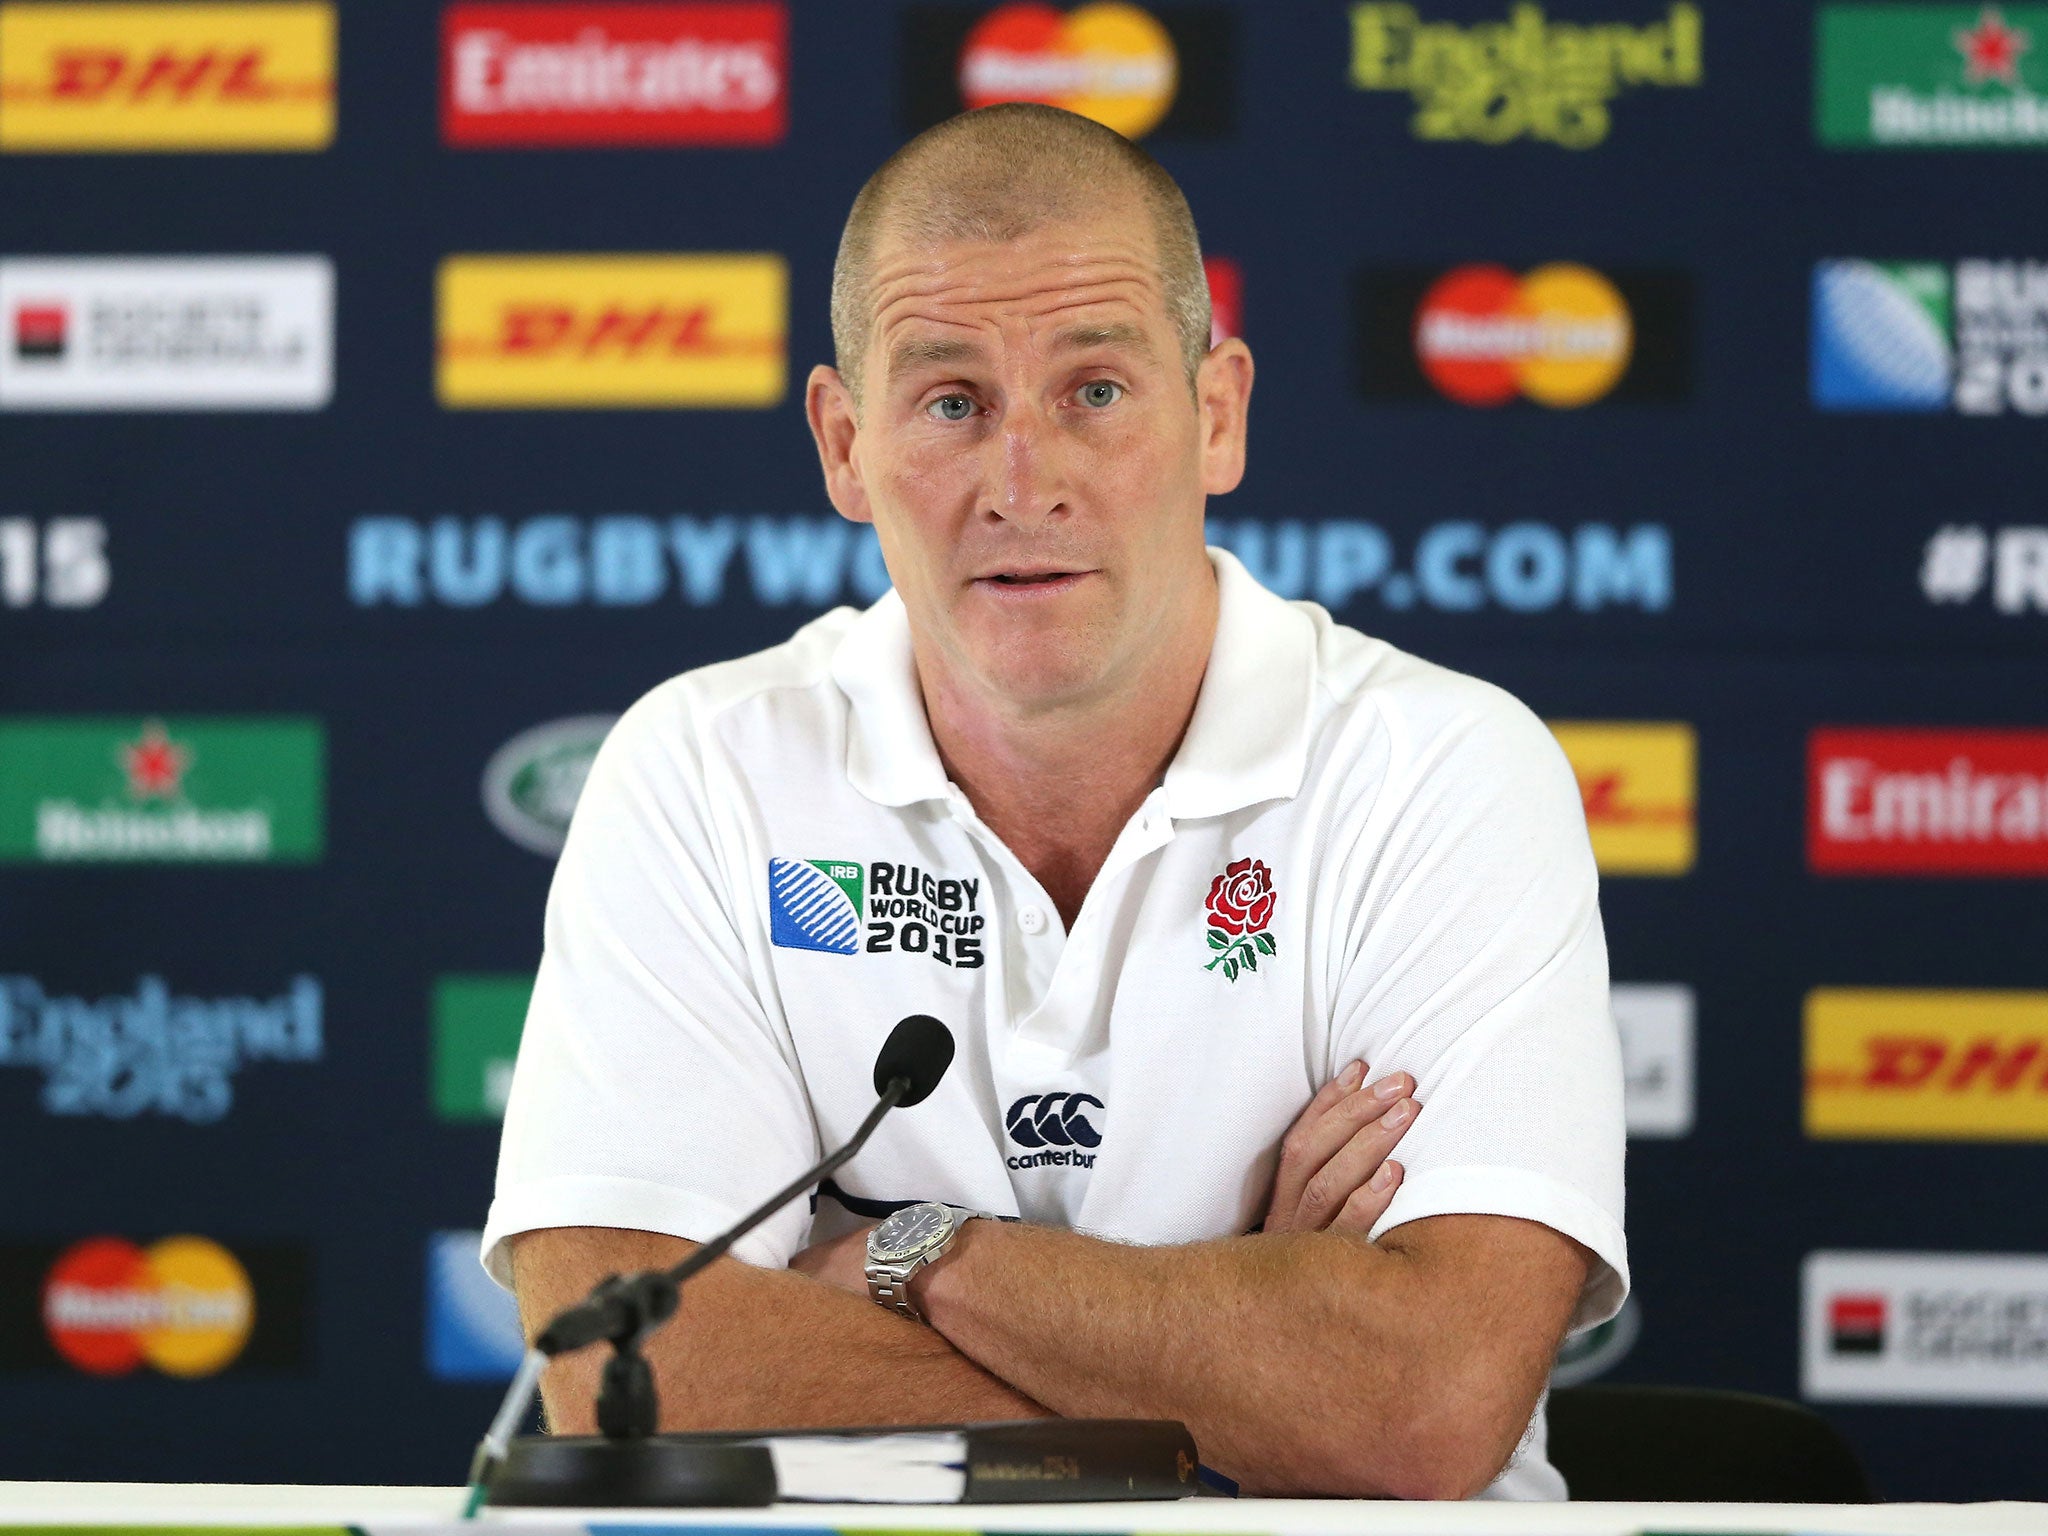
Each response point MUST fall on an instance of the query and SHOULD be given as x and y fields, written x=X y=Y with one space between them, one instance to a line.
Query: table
x=415 y=1511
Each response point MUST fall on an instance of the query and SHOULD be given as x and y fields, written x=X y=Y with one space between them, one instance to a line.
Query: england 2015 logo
x=825 y=904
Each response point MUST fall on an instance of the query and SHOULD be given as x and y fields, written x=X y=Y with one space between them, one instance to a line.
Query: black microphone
x=918 y=1050
x=626 y=1309
x=907 y=1068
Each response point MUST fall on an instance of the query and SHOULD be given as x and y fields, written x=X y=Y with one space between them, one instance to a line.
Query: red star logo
x=1991 y=50
x=155 y=765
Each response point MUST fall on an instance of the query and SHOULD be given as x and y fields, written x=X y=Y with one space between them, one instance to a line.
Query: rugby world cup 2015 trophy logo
x=1240 y=910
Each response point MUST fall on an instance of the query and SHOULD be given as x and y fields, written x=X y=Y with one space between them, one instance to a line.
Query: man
x=1173 y=858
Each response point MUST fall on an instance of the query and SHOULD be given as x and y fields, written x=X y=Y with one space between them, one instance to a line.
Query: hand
x=1334 y=1173
x=840 y=1261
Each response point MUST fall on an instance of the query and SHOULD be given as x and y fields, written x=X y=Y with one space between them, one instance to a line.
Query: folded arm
x=752 y=1348
x=1309 y=1362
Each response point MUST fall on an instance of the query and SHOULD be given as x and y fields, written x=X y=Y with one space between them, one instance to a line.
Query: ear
x=1223 y=393
x=828 y=405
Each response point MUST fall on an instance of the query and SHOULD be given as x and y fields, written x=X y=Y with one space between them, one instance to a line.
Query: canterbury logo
x=1054 y=1120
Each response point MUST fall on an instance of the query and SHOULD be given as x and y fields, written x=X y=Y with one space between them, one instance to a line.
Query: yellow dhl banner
x=537 y=331
x=1890 y=1064
x=166 y=77
x=1639 y=784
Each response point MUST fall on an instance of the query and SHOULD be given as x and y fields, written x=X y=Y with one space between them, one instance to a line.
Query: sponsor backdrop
x=390 y=393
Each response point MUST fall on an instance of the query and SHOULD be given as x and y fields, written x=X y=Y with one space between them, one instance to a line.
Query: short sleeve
x=653 y=1089
x=1476 y=962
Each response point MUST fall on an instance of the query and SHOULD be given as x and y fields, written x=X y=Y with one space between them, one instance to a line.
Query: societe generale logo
x=1638 y=781
x=1924 y=1327
x=1891 y=1064
x=1927 y=802
x=167 y=77
x=523 y=74
x=608 y=331
x=1107 y=60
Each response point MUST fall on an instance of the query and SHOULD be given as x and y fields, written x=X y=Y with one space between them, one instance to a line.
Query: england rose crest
x=1240 y=911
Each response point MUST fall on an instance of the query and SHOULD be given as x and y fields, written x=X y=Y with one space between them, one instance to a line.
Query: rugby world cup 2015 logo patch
x=815 y=904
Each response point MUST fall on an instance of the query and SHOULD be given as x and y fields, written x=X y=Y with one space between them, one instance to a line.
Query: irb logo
x=815 y=904
x=118 y=77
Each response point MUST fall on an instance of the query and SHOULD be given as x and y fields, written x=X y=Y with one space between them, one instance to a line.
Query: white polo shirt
x=768 y=868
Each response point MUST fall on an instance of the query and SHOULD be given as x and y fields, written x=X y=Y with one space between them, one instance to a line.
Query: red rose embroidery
x=1240 y=909
x=1241 y=898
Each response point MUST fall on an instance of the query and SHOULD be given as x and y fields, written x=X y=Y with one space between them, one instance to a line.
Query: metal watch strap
x=889 y=1284
x=891 y=1289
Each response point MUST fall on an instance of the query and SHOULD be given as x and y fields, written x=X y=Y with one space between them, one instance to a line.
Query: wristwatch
x=905 y=1243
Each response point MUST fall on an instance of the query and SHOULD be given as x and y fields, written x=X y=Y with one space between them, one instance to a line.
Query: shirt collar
x=1247 y=741
x=890 y=756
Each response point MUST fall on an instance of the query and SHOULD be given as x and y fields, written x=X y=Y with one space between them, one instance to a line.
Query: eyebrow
x=1076 y=338
x=925 y=351
x=930 y=351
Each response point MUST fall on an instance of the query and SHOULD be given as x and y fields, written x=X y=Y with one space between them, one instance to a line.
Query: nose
x=1027 y=470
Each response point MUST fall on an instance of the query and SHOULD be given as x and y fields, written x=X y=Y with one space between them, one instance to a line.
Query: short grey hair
x=995 y=174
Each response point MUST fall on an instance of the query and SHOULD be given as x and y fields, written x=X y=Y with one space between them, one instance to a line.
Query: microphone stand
x=624 y=1464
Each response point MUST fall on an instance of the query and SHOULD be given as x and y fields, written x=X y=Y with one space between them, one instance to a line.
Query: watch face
x=910 y=1231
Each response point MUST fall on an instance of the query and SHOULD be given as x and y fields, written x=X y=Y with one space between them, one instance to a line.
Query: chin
x=1045 y=671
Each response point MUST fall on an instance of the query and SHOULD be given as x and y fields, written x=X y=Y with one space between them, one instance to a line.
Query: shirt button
x=1031 y=920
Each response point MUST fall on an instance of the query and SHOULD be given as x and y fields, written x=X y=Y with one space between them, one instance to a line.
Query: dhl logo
x=1894 y=1064
x=598 y=331
x=1638 y=783
x=166 y=77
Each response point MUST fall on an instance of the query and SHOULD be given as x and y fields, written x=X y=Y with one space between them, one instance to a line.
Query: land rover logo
x=531 y=783
x=1598 y=1350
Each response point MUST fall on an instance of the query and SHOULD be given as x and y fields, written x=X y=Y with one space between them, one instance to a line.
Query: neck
x=1058 y=783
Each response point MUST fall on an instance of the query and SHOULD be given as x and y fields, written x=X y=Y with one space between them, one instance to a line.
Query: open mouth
x=1035 y=579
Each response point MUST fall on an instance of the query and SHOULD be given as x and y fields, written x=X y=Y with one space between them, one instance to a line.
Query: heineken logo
x=532 y=783
x=476 y=1024
x=1931 y=76
x=88 y=789
x=156 y=765
x=1991 y=50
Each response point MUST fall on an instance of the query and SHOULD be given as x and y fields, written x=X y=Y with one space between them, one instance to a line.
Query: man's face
x=1032 y=457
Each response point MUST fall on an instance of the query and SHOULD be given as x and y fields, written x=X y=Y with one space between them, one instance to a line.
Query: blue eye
x=1101 y=393
x=951 y=408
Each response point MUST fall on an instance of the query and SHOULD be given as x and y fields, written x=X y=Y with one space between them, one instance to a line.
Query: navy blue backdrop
x=1777 y=589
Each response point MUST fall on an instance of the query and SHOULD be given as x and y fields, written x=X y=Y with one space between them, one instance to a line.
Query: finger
x=1343 y=1083
x=1315 y=1144
x=1295 y=1167
x=1369 y=1202
x=1354 y=1163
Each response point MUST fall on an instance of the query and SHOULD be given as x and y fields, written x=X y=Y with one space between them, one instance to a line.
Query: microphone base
x=662 y=1472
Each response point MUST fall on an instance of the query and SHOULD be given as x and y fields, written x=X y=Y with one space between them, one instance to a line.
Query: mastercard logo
x=183 y=1305
x=1109 y=61
x=1561 y=335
